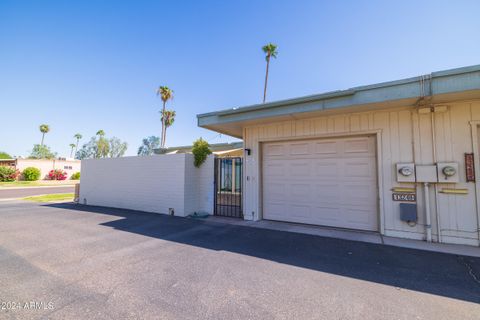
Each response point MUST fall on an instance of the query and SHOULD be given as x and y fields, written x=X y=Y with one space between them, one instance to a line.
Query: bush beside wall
x=75 y=176
x=8 y=174
x=31 y=174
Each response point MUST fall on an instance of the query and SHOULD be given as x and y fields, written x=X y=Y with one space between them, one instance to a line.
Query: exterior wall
x=46 y=165
x=403 y=135
x=151 y=184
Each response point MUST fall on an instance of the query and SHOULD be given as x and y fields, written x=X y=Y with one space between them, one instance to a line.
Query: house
x=399 y=158
x=70 y=166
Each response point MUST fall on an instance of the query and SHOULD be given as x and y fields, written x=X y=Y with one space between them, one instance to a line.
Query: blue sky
x=80 y=66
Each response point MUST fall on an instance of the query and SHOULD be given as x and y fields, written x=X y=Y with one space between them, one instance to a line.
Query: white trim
x=476 y=155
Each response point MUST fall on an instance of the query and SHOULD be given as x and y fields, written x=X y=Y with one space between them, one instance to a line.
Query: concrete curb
x=37 y=187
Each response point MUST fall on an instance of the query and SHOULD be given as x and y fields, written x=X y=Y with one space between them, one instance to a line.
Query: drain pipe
x=434 y=151
x=428 y=223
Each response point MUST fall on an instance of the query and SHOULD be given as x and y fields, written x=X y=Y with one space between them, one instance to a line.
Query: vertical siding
x=405 y=136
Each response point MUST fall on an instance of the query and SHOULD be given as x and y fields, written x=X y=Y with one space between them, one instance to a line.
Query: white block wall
x=151 y=184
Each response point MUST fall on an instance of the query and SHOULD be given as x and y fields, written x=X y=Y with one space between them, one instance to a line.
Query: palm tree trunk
x=266 y=81
x=43 y=136
x=76 y=146
x=71 y=152
x=162 y=144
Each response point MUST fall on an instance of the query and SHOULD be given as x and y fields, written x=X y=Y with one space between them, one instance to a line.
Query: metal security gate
x=228 y=187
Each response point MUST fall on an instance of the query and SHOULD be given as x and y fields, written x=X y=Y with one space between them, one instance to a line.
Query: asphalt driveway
x=66 y=261
x=10 y=193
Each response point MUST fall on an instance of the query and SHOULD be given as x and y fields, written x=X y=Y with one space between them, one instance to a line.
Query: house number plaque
x=469 y=167
x=408 y=197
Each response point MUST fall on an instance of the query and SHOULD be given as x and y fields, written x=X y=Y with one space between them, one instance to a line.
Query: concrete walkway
x=355 y=235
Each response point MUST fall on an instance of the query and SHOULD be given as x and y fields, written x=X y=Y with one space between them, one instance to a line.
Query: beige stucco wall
x=46 y=165
x=403 y=135
x=151 y=184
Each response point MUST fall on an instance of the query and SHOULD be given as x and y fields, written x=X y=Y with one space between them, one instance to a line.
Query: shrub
x=4 y=155
x=31 y=174
x=75 y=176
x=8 y=174
x=200 y=150
x=57 y=174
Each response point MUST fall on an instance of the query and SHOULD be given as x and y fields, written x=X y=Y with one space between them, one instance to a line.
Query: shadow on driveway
x=440 y=274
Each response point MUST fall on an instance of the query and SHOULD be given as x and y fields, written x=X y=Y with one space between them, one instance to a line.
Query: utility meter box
x=405 y=172
x=448 y=172
x=426 y=173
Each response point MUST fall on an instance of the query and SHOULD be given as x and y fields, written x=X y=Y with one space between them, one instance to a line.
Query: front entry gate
x=228 y=187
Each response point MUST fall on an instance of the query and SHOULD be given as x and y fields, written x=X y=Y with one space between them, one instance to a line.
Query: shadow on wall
x=434 y=273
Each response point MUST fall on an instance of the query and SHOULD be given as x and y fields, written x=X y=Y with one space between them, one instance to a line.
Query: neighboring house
x=400 y=158
x=69 y=166
x=234 y=149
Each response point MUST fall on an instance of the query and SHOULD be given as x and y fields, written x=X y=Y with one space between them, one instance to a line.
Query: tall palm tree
x=168 y=119
x=72 y=145
x=44 y=128
x=77 y=136
x=165 y=94
x=270 y=50
x=102 y=144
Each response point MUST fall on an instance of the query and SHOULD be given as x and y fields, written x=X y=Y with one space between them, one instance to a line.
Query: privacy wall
x=153 y=184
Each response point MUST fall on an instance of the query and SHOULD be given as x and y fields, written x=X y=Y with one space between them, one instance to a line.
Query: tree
x=72 y=145
x=88 y=150
x=77 y=136
x=4 y=155
x=270 y=50
x=101 y=147
x=148 y=145
x=116 y=148
x=165 y=94
x=44 y=128
x=167 y=119
x=42 y=152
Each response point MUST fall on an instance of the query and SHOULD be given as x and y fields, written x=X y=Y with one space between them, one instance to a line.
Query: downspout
x=434 y=151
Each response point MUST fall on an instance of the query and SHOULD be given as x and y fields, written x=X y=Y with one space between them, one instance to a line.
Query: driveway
x=12 y=193
x=78 y=262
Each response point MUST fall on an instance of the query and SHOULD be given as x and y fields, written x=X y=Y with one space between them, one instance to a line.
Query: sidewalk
x=353 y=235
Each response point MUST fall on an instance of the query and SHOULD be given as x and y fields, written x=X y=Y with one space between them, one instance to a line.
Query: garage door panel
x=273 y=150
x=300 y=168
x=326 y=182
x=326 y=168
x=362 y=168
x=357 y=146
x=299 y=148
x=327 y=147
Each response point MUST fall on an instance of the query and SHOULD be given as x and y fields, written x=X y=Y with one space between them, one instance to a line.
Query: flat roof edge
x=344 y=93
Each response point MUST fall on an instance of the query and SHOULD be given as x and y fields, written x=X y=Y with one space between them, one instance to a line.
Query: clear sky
x=81 y=66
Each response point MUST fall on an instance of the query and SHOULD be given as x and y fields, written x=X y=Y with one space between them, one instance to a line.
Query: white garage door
x=329 y=182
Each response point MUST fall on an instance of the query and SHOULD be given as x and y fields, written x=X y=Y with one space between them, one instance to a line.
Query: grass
x=37 y=183
x=51 y=197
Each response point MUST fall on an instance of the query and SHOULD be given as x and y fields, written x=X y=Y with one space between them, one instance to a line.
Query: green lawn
x=51 y=197
x=37 y=183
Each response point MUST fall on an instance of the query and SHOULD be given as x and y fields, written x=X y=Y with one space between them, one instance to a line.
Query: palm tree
x=270 y=50
x=77 y=136
x=72 y=145
x=102 y=144
x=44 y=128
x=165 y=94
x=168 y=119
